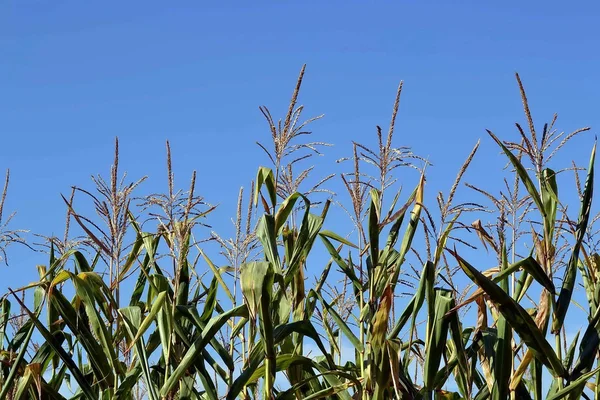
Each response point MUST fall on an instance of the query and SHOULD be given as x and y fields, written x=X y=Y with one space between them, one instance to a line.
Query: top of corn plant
x=287 y=151
x=8 y=236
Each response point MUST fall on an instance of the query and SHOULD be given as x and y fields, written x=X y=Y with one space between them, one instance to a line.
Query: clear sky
x=73 y=75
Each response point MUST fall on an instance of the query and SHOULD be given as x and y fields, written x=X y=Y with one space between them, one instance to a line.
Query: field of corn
x=401 y=300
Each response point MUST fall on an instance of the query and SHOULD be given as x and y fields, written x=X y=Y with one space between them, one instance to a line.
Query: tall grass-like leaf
x=337 y=238
x=97 y=356
x=549 y=192
x=403 y=386
x=340 y=322
x=125 y=389
x=463 y=373
x=268 y=238
x=85 y=387
x=132 y=317
x=88 y=293
x=574 y=386
x=570 y=356
x=305 y=328
x=349 y=272
x=588 y=350
x=145 y=324
x=286 y=208
x=409 y=233
x=265 y=177
x=211 y=302
x=415 y=303
x=214 y=325
x=374 y=235
x=192 y=314
x=503 y=358
x=256 y=357
x=566 y=292
x=517 y=317
x=436 y=341
x=283 y=362
x=133 y=254
x=10 y=379
x=336 y=386
x=523 y=175
x=4 y=317
x=252 y=277
x=217 y=275
x=533 y=268
x=309 y=229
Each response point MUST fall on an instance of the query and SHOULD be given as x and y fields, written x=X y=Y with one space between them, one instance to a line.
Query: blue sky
x=74 y=75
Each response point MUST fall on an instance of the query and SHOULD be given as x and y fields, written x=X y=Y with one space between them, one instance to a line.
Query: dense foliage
x=126 y=311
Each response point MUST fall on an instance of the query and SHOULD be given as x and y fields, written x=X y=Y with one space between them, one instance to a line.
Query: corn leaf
x=566 y=292
x=517 y=317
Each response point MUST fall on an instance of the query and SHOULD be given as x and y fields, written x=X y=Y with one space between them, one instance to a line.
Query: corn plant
x=140 y=308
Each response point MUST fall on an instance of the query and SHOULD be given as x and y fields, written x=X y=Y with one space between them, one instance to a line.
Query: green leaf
x=88 y=286
x=574 y=386
x=4 y=317
x=265 y=231
x=217 y=275
x=409 y=234
x=566 y=292
x=342 y=264
x=252 y=278
x=283 y=362
x=192 y=314
x=306 y=328
x=211 y=301
x=570 y=356
x=340 y=322
x=436 y=341
x=132 y=317
x=75 y=321
x=286 y=208
x=10 y=379
x=211 y=329
x=533 y=268
x=588 y=348
x=86 y=389
x=415 y=304
x=549 y=199
x=309 y=229
x=265 y=176
x=156 y=307
x=336 y=387
x=337 y=238
x=523 y=175
x=517 y=317
x=256 y=356
x=462 y=373
x=374 y=235
x=503 y=357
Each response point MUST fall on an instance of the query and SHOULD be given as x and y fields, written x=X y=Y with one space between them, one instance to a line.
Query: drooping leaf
x=265 y=176
x=517 y=317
